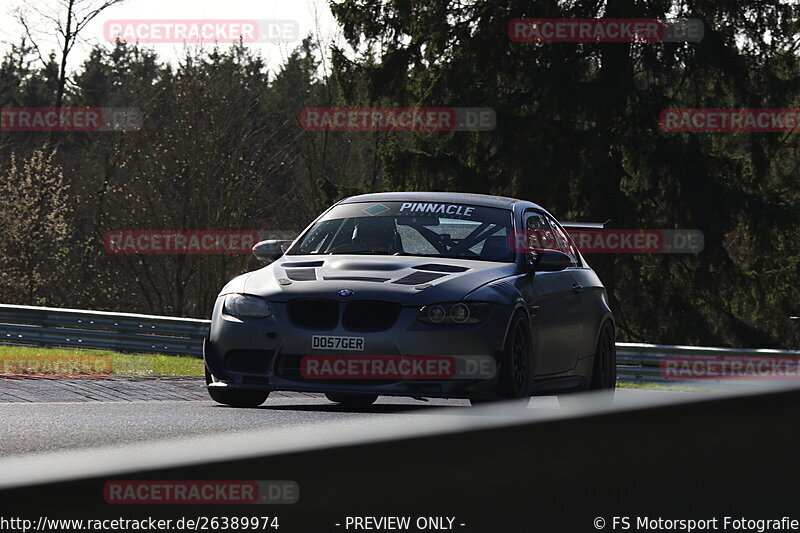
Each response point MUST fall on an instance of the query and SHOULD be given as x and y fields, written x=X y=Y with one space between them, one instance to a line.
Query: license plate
x=330 y=342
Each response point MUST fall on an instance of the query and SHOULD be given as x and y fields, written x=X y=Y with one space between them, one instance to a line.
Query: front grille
x=313 y=313
x=368 y=315
x=255 y=361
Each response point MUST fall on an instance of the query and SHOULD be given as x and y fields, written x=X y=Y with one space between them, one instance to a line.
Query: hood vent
x=304 y=264
x=354 y=278
x=301 y=274
x=418 y=277
x=441 y=268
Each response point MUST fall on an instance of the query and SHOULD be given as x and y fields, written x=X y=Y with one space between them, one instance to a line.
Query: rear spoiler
x=585 y=225
x=576 y=227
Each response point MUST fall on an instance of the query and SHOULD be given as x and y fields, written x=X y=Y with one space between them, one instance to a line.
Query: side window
x=563 y=242
x=538 y=234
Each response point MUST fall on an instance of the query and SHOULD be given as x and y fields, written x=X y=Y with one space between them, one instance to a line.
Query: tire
x=236 y=398
x=515 y=370
x=351 y=399
x=604 y=371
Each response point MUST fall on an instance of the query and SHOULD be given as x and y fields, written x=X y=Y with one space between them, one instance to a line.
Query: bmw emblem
x=346 y=292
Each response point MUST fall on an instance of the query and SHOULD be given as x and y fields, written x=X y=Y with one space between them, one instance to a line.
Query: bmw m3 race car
x=416 y=294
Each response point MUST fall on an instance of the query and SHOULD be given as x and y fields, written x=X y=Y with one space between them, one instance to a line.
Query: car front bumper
x=266 y=353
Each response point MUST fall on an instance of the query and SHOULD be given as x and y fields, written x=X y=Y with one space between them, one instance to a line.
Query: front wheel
x=235 y=398
x=352 y=399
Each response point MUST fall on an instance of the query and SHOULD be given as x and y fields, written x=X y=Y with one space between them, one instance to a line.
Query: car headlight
x=246 y=305
x=453 y=313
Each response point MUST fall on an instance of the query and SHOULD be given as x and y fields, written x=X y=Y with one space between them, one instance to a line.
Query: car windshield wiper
x=443 y=256
x=360 y=252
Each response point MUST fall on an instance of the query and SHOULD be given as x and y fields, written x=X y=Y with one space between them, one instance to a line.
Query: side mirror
x=550 y=261
x=269 y=251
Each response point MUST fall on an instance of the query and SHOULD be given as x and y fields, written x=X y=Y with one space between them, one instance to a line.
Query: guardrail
x=127 y=332
x=642 y=362
x=121 y=332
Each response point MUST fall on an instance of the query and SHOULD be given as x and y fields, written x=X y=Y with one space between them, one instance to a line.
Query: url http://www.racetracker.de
x=195 y=523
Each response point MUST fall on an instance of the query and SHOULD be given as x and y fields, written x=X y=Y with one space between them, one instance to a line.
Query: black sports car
x=415 y=294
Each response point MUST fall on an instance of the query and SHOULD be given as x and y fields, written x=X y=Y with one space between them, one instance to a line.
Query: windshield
x=411 y=228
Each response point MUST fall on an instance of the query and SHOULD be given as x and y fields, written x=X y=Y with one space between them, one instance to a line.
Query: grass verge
x=700 y=387
x=66 y=362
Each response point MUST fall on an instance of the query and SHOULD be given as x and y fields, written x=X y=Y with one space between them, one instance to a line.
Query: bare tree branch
x=29 y=35
x=74 y=16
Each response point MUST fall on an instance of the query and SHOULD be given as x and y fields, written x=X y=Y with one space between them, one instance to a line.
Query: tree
x=71 y=19
x=34 y=230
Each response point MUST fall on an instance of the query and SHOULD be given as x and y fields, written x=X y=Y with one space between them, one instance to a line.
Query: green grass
x=68 y=362
x=700 y=387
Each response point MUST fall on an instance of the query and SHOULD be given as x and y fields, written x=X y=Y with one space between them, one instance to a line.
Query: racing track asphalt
x=28 y=427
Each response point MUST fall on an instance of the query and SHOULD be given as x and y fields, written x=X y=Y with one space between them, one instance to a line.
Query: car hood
x=409 y=281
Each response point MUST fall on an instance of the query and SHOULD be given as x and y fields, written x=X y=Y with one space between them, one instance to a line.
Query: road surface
x=31 y=426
